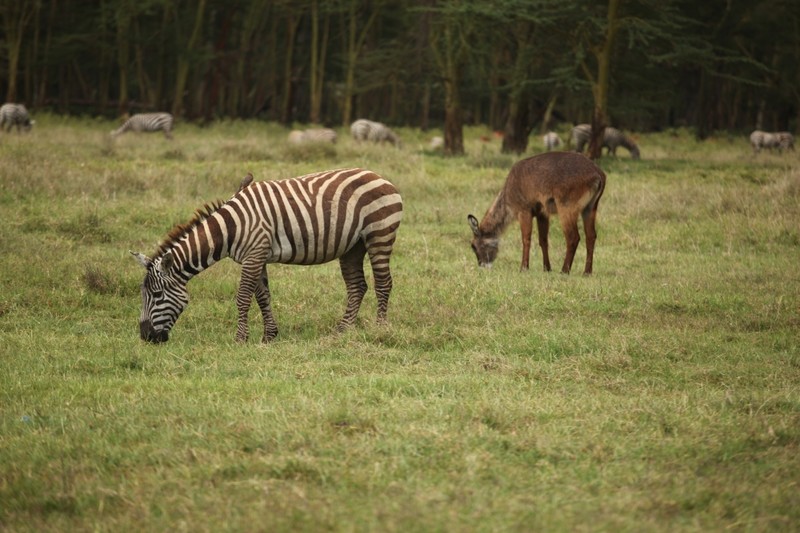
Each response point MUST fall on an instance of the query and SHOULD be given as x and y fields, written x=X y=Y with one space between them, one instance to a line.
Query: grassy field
x=660 y=394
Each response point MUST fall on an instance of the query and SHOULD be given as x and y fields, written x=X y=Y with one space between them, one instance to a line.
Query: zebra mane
x=176 y=233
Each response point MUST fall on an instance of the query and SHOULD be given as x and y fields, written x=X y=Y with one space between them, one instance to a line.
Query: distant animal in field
x=368 y=130
x=565 y=184
x=437 y=143
x=147 y=122
x=15 y=115
x=551 y=140
x=314 y=135
x=782 y=140
x=612 y=139
x=338 y=214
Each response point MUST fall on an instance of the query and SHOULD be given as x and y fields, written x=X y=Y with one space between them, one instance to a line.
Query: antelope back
x=553 y=181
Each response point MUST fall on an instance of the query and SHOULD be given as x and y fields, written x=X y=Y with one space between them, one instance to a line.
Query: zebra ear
x=141 y=259
x=167 y=261
x=473 y=223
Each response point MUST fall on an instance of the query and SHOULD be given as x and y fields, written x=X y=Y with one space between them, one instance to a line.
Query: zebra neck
x=201 y=247
x=497 y=217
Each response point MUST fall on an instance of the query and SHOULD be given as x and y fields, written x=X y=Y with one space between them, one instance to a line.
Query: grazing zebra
x=147 y=122
x=15 y=115
x=317 y=135
x=782 y=140
x=551 y=141
x=338 y=214
x=612 y=139
x=367 y=130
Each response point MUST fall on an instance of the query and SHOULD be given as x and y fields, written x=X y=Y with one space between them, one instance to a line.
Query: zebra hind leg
x=263 y=298
x=379 y=255
x=352 y=266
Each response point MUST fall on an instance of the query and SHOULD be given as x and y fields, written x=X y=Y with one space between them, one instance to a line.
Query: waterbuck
x=563 y=183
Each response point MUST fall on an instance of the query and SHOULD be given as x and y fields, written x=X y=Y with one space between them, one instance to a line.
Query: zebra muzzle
x=149 y=334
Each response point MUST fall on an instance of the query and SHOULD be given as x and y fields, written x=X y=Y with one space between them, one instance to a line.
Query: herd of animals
x=350 y=214
x=12 y=115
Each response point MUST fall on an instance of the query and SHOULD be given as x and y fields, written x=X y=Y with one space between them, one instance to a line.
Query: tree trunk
x=182 y=72
x=42 y=92
x=548 y=114
x=453 y=125
x=319 y=47
x=518 y=127
x=291 y=33
x=355 y=43
x=602 y=80
x=15 y=19
x=123 y=22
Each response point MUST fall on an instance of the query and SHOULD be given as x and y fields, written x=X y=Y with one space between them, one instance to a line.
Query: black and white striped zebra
x=338 y=214
x=368 y=130
x=313 y=135
x=551 y=140
x=15 y=115
x=147 y=122
x=612 y=139
x=782 y=140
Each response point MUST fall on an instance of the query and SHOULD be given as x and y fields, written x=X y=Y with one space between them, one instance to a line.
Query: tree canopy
x=514 y=65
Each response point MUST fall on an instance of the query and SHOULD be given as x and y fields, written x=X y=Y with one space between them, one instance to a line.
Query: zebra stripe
x=782 y=140
x=342 y=214
x=147 y=122
x=612 y=139
x=368 y=130
x=314 y=135
x=15 y=115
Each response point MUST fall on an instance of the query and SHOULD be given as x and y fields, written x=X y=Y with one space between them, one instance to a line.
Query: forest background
x=519 y=66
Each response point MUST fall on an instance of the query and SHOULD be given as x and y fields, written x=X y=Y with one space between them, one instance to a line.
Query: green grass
x=660 y=394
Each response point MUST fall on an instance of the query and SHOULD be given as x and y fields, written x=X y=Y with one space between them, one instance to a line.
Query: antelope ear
x=167 y=260
x=141 y=259
x=473 y=223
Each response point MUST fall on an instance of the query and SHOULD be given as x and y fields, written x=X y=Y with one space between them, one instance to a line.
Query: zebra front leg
x=263 y=298
x=352 y=266
x=251 y=272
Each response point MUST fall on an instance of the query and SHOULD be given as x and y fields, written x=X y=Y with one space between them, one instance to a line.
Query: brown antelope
x=563 y=183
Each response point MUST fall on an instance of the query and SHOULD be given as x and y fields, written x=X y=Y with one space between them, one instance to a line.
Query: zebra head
x=164 y=297
x=484 y=246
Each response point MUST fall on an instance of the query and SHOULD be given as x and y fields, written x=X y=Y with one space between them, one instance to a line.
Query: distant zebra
x=782 y=140
x=368 y=130
x=15 y=115
x=612 y=139
x=436 y=143
x=338 y=214
x=314 y=135
x=147 y=122
x=551 y=141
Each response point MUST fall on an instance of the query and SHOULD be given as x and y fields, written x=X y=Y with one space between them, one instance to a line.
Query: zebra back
x=781 y=140
x=551 y=140
x=15 y=115
x=317 y=218
x=318 y=135
x=579 y=136
x=612 y=139
x=368 y=130
x=147 y=122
